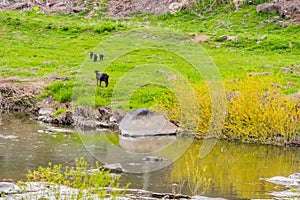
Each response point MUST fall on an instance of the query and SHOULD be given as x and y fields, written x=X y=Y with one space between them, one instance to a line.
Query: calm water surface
x=231 y=170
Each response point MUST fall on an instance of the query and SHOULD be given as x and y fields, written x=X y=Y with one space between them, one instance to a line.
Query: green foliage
x=87 y=181
x=35 y=8
x=144 y=96
x=106 y=28
x=61 y=91
x=59 y=111
x=295 y=190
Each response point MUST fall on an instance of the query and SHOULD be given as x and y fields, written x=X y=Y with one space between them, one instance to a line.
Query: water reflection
x=232 y=170
x=22 y=147
x=131 y=152
x=145 y=144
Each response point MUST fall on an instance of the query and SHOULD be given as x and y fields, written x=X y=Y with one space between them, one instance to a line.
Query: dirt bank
x=117 y=8
x=18 y=95
x=289 y=9
x=124 y=8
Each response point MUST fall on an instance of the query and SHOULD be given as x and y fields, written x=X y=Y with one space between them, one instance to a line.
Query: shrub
x=259 y=112
x=61 y=91
x=262 y=112
x=80 y=177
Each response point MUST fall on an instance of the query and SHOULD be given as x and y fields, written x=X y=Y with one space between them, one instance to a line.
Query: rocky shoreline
x=21 y=95
x=41 y=190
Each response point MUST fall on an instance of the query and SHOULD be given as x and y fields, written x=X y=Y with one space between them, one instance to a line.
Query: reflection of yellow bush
x=258 y=111
x=192 y=173
x=197 y=179
x=233 y=168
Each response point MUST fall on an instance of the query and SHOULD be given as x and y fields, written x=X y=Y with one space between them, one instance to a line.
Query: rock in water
x=153 y=159
x=144 y=122
x=8 y=188
x=46 y=111
x=113 y=168
x=281 y=180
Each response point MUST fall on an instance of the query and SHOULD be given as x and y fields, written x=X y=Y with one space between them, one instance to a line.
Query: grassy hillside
x=32 y=40
x=38 y=45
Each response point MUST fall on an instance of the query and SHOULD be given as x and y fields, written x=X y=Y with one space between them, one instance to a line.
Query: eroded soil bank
x=289 y=9
x=19 y=95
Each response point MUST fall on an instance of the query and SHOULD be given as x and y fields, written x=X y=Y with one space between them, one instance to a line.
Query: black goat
x=95 y=57
x=101 y=56
x=101 y=77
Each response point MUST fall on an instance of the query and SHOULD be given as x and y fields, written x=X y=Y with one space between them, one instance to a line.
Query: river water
x=231 y=170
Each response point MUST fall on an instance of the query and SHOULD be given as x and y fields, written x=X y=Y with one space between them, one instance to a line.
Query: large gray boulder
x=144 y=122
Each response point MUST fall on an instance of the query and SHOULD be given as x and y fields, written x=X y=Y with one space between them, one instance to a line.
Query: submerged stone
x=153 y=159
x=281 y=180
x=113 y=168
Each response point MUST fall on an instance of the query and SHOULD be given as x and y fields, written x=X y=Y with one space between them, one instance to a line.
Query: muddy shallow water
x=231 y=170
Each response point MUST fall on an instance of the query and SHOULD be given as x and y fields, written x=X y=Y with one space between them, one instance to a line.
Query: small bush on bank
x=87 y=181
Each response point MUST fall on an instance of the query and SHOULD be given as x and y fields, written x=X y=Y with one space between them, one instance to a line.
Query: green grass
x=235 y=58
x=61 y=91
x=38 y=45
